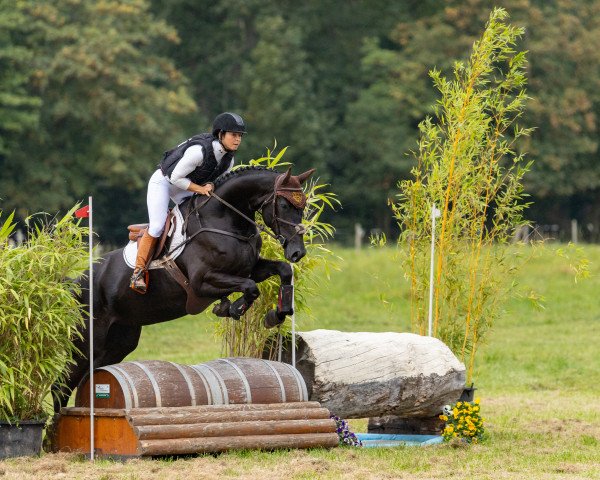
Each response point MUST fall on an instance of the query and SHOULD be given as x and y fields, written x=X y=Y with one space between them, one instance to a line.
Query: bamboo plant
x=248 y=337
x=39 y=314
x=469 y=167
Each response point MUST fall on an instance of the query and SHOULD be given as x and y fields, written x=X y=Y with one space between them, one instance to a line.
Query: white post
x=293 y=321
x=574 y=230
x=435 y=213
x=91 y=332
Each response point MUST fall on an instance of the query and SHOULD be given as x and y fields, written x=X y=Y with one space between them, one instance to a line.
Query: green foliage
x=278 y=87
x=40 y=314
x=105 y=98
x=468 y=167
x=248 y=337
x=18 y=109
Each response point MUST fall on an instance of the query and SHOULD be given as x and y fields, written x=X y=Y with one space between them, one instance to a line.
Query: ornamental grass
x=248 y=336
x=469 y=166
x=40 y=314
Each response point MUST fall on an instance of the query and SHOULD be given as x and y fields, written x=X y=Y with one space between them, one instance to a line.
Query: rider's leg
x=144 y=255
x=158 y=208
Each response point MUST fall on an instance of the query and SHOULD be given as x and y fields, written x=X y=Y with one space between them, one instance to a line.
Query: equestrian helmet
x=228 y=122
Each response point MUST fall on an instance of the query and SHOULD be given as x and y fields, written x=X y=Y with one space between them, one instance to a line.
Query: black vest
x=208 y=171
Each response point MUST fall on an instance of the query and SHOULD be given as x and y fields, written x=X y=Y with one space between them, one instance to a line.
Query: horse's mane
x=243 y=169
x=224 y=178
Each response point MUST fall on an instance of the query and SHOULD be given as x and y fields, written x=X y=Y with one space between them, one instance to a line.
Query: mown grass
x=538 y=377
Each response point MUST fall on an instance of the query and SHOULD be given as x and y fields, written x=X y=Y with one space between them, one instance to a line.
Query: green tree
x=280 y=96
x=109 y=103
x=563 y=40
x=18 y=109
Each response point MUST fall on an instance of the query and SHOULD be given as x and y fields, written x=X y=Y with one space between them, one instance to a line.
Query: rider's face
x=231 y=140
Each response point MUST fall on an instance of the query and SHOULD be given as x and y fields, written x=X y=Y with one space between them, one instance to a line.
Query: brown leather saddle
x=136 y=232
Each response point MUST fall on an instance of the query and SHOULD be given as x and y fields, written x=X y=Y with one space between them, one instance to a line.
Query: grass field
x=538 y=378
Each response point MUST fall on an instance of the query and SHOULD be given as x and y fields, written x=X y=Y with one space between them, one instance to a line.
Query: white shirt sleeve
x=191 y=159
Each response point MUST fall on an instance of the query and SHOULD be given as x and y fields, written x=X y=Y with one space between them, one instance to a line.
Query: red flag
x=83 y=212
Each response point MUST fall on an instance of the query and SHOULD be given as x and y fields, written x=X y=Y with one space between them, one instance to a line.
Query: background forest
x=92 y=93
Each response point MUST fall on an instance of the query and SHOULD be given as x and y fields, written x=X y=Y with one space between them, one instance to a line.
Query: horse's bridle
x=293 y=195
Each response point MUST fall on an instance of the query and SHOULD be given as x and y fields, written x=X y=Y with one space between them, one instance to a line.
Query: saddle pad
x=178 y=237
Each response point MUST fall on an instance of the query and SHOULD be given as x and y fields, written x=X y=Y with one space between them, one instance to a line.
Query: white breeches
x=160 y=191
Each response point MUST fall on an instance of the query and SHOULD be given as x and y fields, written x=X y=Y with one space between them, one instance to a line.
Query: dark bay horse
x=222 y=259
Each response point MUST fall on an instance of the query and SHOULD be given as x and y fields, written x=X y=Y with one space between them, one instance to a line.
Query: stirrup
x=139 y=281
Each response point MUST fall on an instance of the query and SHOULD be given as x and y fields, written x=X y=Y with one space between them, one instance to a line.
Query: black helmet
x=228 y=122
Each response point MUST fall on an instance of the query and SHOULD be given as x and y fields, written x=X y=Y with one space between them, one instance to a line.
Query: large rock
x=361 y=374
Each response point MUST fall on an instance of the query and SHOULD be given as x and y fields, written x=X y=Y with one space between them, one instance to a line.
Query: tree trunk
x=359 y=375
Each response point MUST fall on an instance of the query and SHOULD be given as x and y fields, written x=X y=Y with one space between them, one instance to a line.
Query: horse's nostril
x=296 y=256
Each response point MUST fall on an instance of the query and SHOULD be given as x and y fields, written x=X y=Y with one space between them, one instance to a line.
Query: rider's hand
x=205 y=189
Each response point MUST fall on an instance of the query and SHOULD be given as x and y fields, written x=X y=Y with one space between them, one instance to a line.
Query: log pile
x=142 y=432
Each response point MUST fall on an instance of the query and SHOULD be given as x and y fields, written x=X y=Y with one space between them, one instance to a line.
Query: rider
x=188 y=168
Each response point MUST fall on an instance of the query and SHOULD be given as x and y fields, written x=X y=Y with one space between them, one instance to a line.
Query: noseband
x=296 y=197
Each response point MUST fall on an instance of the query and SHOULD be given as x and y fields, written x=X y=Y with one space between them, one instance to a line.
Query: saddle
x=136 y=232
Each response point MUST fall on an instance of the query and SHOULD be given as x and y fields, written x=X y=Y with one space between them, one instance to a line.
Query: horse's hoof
x=272 y=319
x=222 y=309
x=236 y=311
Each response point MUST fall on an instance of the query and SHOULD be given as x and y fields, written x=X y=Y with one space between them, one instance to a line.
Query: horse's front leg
x=285 y=302
x=216 y=284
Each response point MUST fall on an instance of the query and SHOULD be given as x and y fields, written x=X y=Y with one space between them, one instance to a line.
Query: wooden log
x=221 y=444
x=362 y=374
x=244 y=407
x=230 y=429
x=182 y=418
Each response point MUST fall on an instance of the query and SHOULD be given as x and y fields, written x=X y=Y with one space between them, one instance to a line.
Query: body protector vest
x=208 y=171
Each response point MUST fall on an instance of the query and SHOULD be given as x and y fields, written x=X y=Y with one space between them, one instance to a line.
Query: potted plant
x=38 y=319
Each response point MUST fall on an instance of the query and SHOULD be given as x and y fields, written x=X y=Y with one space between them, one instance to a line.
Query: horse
x=221 y=256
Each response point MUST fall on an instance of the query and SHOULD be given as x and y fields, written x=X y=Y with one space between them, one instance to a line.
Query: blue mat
x=371 y=440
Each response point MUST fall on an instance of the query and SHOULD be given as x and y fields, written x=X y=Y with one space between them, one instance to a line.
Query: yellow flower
x=477 y=401
x=455 y=412
x=444 y=418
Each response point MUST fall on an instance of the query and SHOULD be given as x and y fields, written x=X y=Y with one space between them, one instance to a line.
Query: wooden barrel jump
x=225 y=381
x=162 y=408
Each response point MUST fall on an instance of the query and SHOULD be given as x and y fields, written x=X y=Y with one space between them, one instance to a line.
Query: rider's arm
x=191 y=159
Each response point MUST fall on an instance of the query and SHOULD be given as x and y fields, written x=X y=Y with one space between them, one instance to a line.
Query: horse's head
x=284 y=213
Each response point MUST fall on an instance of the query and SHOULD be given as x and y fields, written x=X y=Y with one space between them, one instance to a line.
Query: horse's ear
x=304 y=176
x=288 y=174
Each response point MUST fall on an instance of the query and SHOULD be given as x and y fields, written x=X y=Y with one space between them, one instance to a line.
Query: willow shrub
x=39 y=314
x=467 y=165
x=248 y=337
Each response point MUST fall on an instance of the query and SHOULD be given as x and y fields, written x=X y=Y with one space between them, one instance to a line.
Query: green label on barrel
x=102 y=390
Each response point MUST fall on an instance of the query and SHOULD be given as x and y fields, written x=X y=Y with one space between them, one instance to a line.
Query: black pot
x=468 y=394
x=22 y=440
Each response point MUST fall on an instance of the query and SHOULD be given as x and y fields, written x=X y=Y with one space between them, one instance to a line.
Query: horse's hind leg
x=62 y=392
x=120 y=342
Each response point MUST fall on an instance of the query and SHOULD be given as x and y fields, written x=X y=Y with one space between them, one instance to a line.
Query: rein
x=280 y=238
x=298 y=227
